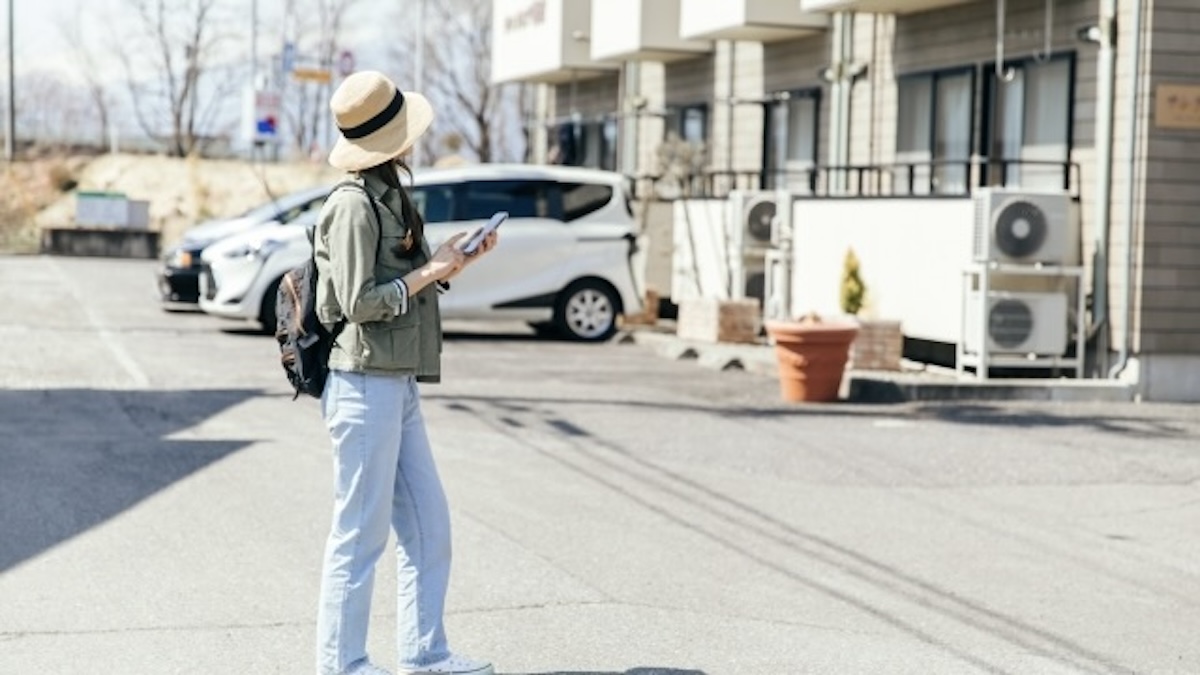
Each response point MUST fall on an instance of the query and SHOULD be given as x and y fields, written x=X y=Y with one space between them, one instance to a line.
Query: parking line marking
x=106 y=336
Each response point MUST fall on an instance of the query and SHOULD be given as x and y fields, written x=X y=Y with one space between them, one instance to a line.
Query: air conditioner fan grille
x=1020 y=229
x=759 y=219
x=1010 y=323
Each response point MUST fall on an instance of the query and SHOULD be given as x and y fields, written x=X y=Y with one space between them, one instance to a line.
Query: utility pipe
x=845 y=89
x=416 y=157
x=1105 y=103
x=10 y=140
x=835 y=99
x=1131 y=145
x=630 y=132
x=730 y=79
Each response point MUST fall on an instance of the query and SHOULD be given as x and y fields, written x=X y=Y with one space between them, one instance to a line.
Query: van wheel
x=587 y=311
x=266 y=313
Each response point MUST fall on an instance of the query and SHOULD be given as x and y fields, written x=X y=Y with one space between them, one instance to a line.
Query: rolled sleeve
x=401 y=302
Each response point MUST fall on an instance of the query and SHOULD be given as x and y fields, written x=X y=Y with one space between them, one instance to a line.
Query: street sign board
x=289 y=57
x=345 y=63
x=266 y=116
x=312 y=74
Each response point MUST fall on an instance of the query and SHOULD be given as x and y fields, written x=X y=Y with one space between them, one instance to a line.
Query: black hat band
x=378 y=121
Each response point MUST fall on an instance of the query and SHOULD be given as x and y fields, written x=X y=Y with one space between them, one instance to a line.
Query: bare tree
x=458 y=67
x=52 y=112
x=318 y=26
x=178 y=44
x=87 y=66
x=526 y=107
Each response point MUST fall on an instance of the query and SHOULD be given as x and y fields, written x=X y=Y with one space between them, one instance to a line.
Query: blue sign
x=265 y=127
x=289 y=56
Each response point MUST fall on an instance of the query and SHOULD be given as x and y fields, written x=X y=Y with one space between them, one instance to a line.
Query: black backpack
x=304 y=342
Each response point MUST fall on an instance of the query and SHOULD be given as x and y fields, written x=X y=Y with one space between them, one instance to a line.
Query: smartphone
x=476 y=241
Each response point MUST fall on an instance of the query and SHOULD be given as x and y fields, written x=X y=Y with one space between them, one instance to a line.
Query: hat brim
x=389 y=142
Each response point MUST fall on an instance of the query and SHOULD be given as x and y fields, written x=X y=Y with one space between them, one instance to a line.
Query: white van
x=565 y=257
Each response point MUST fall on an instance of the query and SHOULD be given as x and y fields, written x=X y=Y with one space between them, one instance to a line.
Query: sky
x=40 y=44
x=42 y=48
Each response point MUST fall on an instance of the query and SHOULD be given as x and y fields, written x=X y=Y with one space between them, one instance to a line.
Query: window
x=522 y=199
x=1028 y=138
x=435 y=203
x=580 y=199
x=600 y=144
x=299 y=210
x=933 y=135
x=609 y=132
x=690 y=122
x=791 y=141
x=592 y=144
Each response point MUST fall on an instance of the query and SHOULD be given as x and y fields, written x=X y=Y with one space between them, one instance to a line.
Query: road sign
x=345 y=63
x=312 y=74
x=266 y=116
x=289 y=57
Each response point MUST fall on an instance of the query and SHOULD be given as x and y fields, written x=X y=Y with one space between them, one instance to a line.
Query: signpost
x=306 y=74
x=266 y=116
x=288 y=59
x=345 y=63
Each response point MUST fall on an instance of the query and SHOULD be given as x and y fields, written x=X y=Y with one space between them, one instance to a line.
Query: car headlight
x=260 y=250
x=180 y=258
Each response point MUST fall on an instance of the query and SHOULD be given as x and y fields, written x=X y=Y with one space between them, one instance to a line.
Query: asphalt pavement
x=163 y=505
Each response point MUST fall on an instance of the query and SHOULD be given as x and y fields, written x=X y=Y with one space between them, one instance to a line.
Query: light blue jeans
x=384 y=475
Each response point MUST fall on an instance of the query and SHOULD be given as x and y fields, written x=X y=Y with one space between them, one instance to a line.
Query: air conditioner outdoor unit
x=1025 y=228
x=752 y=221
x=777 y=285
x=748 y=276
x=1018 y=323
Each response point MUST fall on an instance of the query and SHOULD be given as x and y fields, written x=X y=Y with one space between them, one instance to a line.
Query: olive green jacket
x=356 y=266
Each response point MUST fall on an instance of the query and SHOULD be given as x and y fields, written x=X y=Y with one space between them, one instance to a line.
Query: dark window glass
x=521 y=199
x=580 y=199
x=934 y=132
x=791 y=141
x=434 y=202
x=1030 y=126
x=690 y=123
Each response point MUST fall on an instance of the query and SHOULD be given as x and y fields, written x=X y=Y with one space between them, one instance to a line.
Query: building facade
x=884 y=118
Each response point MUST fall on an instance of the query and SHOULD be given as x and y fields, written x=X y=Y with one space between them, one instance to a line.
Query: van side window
x=300 y=209
x=522 y=199
x=580 y=199
x=435 y=203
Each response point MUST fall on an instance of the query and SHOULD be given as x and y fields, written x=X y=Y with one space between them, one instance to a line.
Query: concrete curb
x=928 y=384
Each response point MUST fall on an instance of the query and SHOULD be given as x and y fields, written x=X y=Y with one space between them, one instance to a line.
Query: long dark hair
x=389 y=173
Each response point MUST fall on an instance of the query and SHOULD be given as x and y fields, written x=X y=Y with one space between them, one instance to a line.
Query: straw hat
x=378 y=122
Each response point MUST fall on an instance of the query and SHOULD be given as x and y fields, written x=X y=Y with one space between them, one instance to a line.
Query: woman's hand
x=448 y=260
x=489 y=243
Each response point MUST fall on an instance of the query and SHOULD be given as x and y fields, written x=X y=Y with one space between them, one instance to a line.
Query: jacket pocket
x=393 y=344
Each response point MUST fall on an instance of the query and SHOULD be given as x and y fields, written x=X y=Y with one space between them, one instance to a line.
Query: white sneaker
x=453 y=665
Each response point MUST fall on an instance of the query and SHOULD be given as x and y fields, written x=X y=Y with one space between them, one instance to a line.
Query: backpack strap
x=370 y=200
x=341 y=323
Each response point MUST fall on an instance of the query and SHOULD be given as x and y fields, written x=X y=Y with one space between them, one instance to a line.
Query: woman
x=376 y=272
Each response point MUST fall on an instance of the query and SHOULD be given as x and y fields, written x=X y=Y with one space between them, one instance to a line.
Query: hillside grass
x=40 y=193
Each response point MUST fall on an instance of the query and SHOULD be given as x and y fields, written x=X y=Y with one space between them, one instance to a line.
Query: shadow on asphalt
x=246 y=330
x=895 y=588
x=633 y=671
x=1026 y=418
x=963 y=414
x=463 y=336
x=252 y=330
x=74 y=458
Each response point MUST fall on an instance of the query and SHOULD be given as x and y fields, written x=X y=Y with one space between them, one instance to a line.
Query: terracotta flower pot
x=812 y=357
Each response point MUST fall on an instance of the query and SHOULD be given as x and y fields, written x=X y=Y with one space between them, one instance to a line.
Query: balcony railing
x=946 y=178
